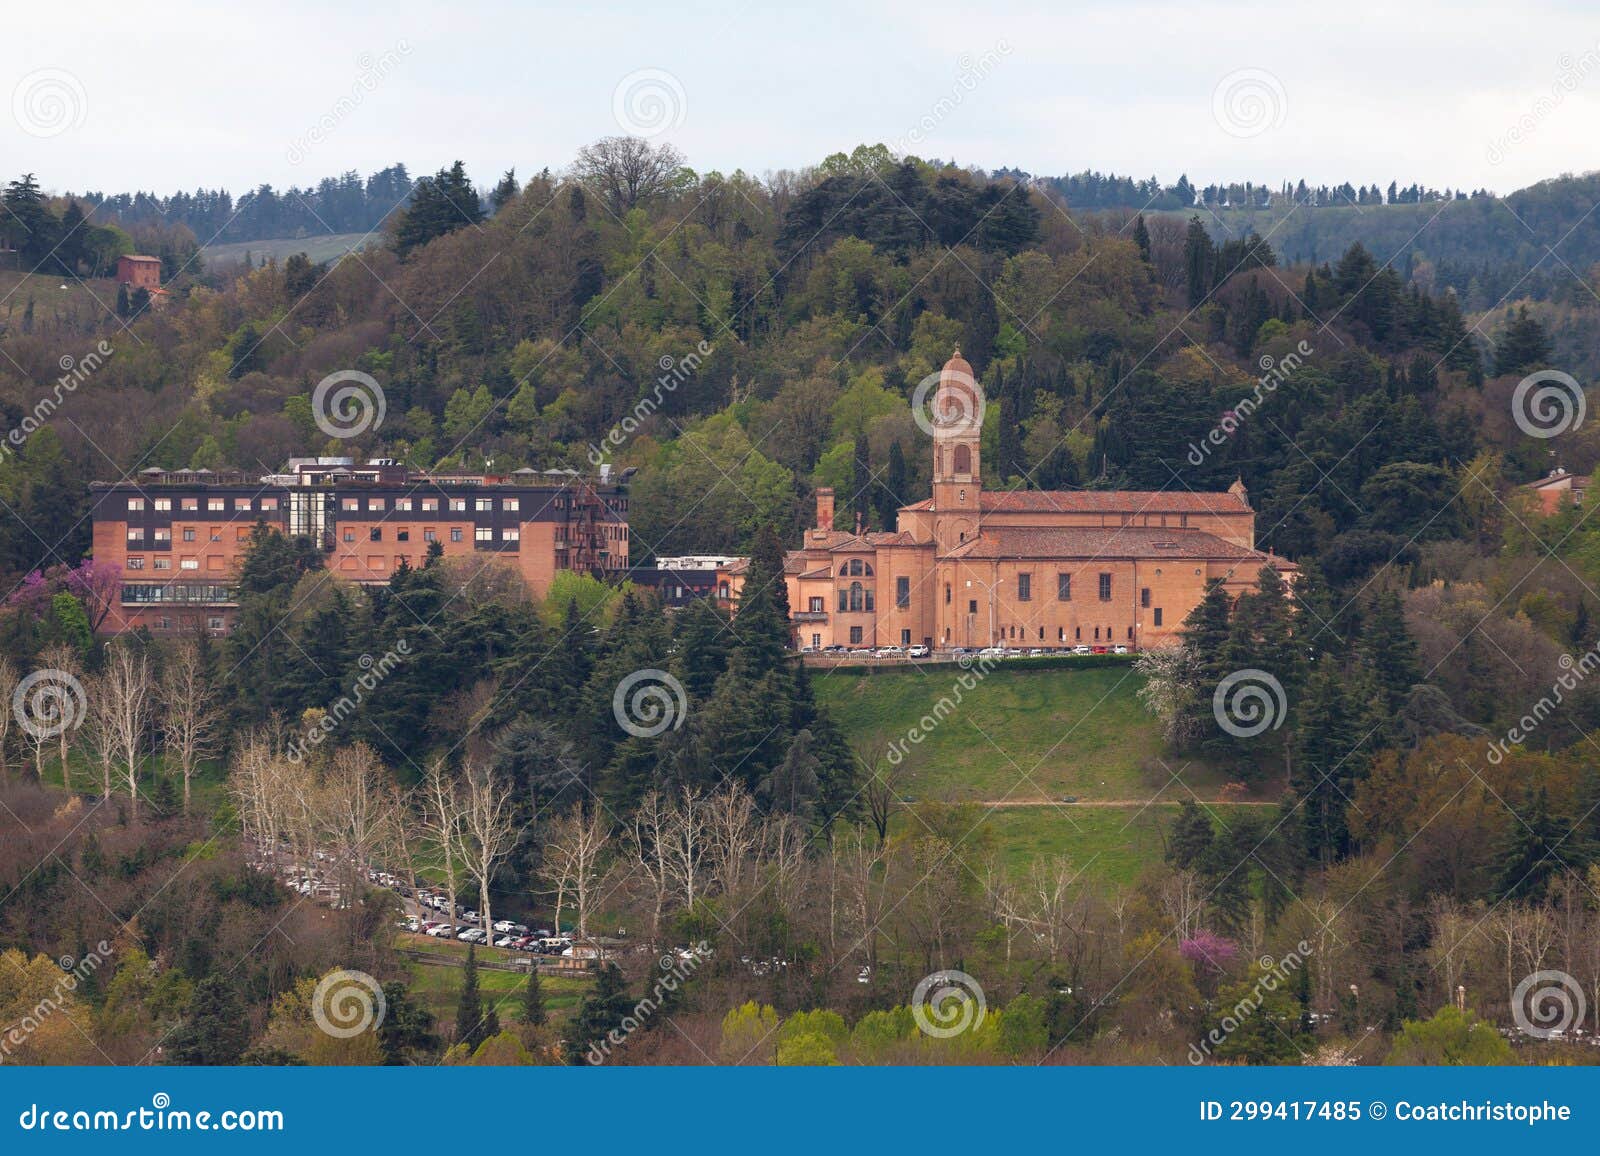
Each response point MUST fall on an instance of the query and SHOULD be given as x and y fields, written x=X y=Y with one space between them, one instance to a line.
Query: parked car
x=1081 y=649
x=1100 y=650
x=889 y=652
x=992 y=652
x=502 y=941
x=1119 y=649
x=439 y=931
x=505 y=925
x=918 y=652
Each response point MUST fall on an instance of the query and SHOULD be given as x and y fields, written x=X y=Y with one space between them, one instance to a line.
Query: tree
x=1452 y=1038
x=126 y=683
x=572 y=852
x=406 y=1035
x=627 y=171
x=600 y=1012
x=533 y=1011
x=506 y=191
x=473 y=1023
x=215 y=1032
x=440 y=204
x=488 y=831
x=1524 y=346
x=442 y=816
x=191 y=714
x=8 y=687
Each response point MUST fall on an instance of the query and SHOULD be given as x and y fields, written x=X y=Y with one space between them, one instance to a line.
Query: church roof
x=1107 y=502
x=1141 y=542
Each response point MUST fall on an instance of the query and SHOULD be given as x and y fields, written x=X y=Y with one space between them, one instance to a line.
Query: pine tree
x=1191 y=836
x=215 y=1032
x=1322 y=772
x=1525 y=345
x=1141 y=237
x=1389 y=651
x=533 y=1013
x=1199 y=262
x=472 y=1025
x=601 y=1012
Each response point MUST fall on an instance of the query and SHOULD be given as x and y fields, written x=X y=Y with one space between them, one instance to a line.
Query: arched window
x=857 y=596
x=963 y=459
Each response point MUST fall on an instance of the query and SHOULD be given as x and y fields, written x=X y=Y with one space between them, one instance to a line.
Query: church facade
x=969 y=567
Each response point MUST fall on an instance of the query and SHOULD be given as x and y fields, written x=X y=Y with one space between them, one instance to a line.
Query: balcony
x=810 y=616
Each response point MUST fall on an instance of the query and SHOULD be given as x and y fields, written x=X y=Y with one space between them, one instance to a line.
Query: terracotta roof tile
x=1110 y=542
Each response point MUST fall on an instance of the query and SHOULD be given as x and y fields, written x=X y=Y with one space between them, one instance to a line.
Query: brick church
x=1021 y=568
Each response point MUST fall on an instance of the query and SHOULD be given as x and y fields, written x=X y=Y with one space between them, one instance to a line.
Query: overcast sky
x=166 y=96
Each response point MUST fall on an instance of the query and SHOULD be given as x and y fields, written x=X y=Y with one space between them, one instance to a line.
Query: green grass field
x=439 y=989
x=1024 y=739
x=56 y=298
x=327 y=247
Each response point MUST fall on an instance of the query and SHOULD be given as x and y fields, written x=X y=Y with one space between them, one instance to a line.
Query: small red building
x=139 y=272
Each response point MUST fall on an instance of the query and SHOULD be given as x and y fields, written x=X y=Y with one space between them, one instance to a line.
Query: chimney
x=824 y=507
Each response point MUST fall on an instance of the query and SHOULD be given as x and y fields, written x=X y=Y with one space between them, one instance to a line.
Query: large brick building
x=179 y=537
x=969 y=567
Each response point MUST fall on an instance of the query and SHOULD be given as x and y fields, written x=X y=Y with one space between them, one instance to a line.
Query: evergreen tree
x=1524 y=346
x=506 y=191
x=1322 y=771
x=473 y=1024
x=600 y=1012
x=1199 y=262
x=406 y=1035
x=1389 y=651
x=215 y=1032
x=533 y=1012
x=1141 y=237
x=1190 y=842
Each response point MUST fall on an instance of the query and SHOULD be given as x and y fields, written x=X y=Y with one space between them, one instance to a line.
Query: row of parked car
x=511 y=936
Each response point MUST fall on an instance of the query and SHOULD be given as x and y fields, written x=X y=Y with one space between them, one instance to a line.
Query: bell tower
x=957 y=421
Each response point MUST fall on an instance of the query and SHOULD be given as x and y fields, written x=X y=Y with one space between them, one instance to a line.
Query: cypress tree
x=533 y=1013
x=472 y=1026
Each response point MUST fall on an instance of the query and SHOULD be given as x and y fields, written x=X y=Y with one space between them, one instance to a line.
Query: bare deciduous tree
x=488 y=831
x=190 y=712
x=8 y=687
x=627 y=171
x=127 y=687
x=64 y=657
x=573 y=856
x=442 y=817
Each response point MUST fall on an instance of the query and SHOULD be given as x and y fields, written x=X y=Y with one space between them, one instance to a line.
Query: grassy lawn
x=87 y=299
x=1018 y=734
x=1107 y=844
x=326 y=247
x=439 y=989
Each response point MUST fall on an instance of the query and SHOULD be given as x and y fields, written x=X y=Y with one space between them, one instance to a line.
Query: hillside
x=326 y=247
x=1020 y=741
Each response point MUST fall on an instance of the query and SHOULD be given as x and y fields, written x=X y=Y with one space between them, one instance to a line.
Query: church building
x=969 y=567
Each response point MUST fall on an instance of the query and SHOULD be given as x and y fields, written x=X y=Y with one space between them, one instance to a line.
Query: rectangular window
x=213 y=624
x=455 y=533
x=189 y=564
x=217 y=504
x=375 y=534
x=816 y=605
x=482 y=504
x=511 y=535
x=241 y=504
x=511 y=503
x=349 y=535
x=902 y=592
x=163 y=535
x=1105 y=588
x=162 y=563
x=972 y=606
x=1144 y=597
x=188 y=533
x=402 y=535
x=135 y=563
x=458 y=503
x=1158 y=616
x=855 y=636
x=430 y=535
x=136 y=533
x=135 y=504
x=350 y=504
x=402 y=503
x=1063 y=587
x=189 y=503
x=430 y=504
x=1024 y=587
x=269 y=504
x=483 y=534
x=163 y=504
x=374 y=503
x=905 y=638
x=377 y=562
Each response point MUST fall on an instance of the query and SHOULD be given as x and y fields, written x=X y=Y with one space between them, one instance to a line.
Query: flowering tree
x=1209 y=951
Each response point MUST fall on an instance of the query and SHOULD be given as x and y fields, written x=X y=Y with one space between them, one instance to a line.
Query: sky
x=169 y=96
